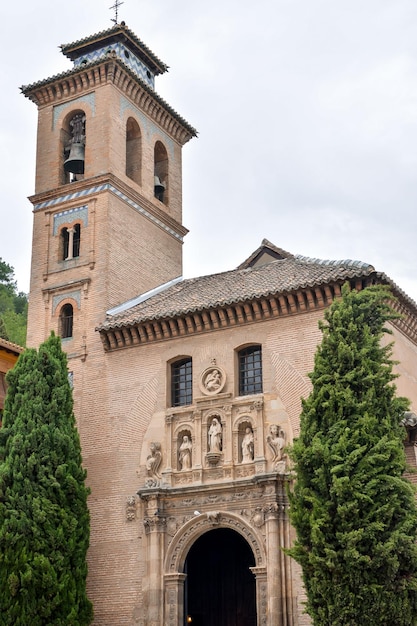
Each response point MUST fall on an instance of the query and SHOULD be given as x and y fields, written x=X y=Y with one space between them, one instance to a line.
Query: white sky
x=306 y=112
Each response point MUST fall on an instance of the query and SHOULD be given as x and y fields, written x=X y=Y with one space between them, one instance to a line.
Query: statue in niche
x=213 y=381
x=248 y=446
x=184 y=453
x=77 y=124
x=215 y=436
x=153 y=462
x=276 y=443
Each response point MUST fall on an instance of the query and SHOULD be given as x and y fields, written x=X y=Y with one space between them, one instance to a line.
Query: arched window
x=133 y=151
x=64 y=243
x=250 y=370
x=66 y=319
x=76 y=242
x=70 y=242
x=161 y=173
x=182 y=382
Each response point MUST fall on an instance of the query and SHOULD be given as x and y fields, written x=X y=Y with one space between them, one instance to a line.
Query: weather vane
x=116 y=6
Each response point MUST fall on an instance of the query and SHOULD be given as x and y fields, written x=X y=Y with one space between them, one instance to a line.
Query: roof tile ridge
x=9 y=345
x=351 y=263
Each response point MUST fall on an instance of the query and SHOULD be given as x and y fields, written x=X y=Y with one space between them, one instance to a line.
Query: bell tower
x=108 y=193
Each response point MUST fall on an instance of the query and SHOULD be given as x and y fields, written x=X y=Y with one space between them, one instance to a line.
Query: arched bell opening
x=161 y=187
x=220 y=587
x=133 y=151
x=73 y=140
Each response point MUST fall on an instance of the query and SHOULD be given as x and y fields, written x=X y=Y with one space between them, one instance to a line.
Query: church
x=186 y=391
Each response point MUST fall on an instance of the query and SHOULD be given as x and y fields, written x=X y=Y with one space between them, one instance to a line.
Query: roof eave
x=32 y=91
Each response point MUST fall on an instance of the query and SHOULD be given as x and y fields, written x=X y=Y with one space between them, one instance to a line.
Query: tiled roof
x=215 y=290
x=266 y=246
x=72 y=50
x=10 y=347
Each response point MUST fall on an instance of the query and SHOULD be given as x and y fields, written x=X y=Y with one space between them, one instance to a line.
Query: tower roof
x=118 y=33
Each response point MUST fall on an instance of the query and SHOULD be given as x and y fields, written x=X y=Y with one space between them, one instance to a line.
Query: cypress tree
x=354 y=513
x=44 y=520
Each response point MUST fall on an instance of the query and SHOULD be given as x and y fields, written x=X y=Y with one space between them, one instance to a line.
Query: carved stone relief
x=131 y=508
x=212 y=380
x=276 y=443
x=153 y=465
x=200 y=524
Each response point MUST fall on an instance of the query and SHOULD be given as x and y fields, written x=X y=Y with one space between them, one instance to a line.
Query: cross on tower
x=116 y=6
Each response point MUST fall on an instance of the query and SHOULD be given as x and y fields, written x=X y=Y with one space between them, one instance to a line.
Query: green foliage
x=44 y=520
x=3 y=331
x=13 y=307
x=354 y=512
x=15 y=325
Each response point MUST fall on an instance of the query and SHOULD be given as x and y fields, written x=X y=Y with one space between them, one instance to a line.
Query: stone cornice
x=251 y=311
x=77 y=192
x=89 y=77
x=272 y=482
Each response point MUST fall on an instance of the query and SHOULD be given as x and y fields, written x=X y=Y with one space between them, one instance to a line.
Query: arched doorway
x=220 y=588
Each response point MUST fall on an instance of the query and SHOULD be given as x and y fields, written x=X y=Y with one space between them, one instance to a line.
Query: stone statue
x=409 y=422
x=153 y=461
x=247 y=446
x=184 y=453
x=215 y=436
x=276 y=443
x=78 y=128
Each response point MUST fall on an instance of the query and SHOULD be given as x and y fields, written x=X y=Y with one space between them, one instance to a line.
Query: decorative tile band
x=74 y=295
x=125 y=55
x=89 y=98
x=71 y=196
x=67 y=217
x=107 y=187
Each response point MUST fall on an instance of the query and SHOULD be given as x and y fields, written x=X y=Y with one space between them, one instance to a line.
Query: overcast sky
x=306 y=112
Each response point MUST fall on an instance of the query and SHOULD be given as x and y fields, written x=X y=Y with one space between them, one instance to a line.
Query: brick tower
x=107 y=203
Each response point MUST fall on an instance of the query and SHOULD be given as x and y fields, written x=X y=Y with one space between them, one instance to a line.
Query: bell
x=159 y=188
x=75 y=161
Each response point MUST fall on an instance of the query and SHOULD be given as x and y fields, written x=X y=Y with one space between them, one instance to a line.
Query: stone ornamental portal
x=174 y=522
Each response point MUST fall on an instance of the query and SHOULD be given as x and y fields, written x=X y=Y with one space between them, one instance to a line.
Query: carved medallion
x=212 y=380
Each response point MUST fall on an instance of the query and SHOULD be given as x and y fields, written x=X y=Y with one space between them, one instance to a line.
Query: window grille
x=181 y=383
x=250 y=370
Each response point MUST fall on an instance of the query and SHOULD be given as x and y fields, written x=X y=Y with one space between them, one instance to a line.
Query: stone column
x=262 y=598
x=170 y=455
x=71 y=232
x=260 y=461
x=174 y=599
x=227 y=436
x=155 y=526
x=197 y=448
x=288 y=595
x=275 y=575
